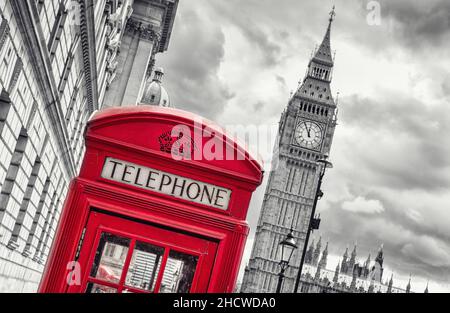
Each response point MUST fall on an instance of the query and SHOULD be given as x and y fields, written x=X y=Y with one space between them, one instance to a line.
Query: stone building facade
x=305 y=135
x=350 y=275
x=60 y=61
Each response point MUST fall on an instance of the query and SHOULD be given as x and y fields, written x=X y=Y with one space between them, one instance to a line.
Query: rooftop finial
x=332 y=14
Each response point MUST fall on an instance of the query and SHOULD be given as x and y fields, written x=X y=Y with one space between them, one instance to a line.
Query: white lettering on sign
x=166 y=183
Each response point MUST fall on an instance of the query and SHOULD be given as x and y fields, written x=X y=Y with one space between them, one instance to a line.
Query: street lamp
x=314 y=221
x=287 y=249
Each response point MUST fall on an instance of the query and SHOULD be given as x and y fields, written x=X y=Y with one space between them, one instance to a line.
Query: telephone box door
x=120 y=255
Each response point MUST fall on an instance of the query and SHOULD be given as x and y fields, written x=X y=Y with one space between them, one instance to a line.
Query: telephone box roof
x=175 y=115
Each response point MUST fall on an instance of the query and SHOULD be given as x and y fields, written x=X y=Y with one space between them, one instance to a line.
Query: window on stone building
x=57 y=29
x=37 y=216
x=66 y=72
x=5 y=105
x=26 y=202
x=40 y=245
x=12 y=178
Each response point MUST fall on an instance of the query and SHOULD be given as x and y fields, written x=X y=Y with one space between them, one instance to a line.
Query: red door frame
x=134 y=230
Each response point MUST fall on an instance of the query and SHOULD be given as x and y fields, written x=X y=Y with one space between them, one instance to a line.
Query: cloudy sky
x=236 y=62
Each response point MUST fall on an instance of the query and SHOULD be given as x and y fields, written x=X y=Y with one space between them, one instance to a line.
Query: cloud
x=420 y=24
x=397 y=140
x=362 y=205
x=429 y=251
x=192 y=78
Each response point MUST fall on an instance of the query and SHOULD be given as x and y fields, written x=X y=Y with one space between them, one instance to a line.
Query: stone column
x=139 y=44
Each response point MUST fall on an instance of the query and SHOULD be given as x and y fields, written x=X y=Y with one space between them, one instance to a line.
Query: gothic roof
x=323 y=54
x=316 y=86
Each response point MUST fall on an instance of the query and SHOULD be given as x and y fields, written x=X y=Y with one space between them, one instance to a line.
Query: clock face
x=308 y=134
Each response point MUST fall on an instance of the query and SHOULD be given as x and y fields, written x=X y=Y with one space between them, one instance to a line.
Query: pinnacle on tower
x=391 y=282
x=354 y=250
x=379 y=259
x=344 y=266
x=336 y=273
x=323 y=53
x=309 y=253
x=408 y=287
x=351 y=263
x=315 y=259
x=323 y=259
x=367 y=267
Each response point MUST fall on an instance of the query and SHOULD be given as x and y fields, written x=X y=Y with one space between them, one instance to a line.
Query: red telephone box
x=151 y=210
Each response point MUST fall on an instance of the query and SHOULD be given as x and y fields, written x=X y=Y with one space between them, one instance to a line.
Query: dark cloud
x=404 y=136
x=258 y=106
x=192 y=68
x=421 y=24
x=405 y=250
x=259 y=35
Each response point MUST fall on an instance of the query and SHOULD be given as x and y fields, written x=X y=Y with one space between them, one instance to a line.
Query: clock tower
x=305 y=135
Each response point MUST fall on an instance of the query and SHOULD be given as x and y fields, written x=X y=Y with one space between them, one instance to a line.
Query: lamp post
x=314 y=221
x=287 y=249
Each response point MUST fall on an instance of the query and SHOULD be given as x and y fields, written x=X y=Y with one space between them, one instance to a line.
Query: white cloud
x=362 y=205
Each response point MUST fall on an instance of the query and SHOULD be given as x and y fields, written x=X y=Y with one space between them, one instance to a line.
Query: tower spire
x=408 y=287
x=316 y=254
x=323 y=54
x=336 y=273
x=323 y=260
x=391 y=282
x=332 y=15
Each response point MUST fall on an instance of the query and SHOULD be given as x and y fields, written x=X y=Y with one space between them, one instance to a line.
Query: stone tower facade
x=305 y=135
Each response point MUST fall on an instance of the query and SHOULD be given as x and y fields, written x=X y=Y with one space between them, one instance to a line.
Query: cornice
x=89 y=52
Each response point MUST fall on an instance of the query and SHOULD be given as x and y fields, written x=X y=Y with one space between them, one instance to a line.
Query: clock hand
x=308 y=130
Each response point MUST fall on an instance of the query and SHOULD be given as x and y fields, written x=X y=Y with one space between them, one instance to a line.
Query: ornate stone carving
x=113 y=42
x=147 y=32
